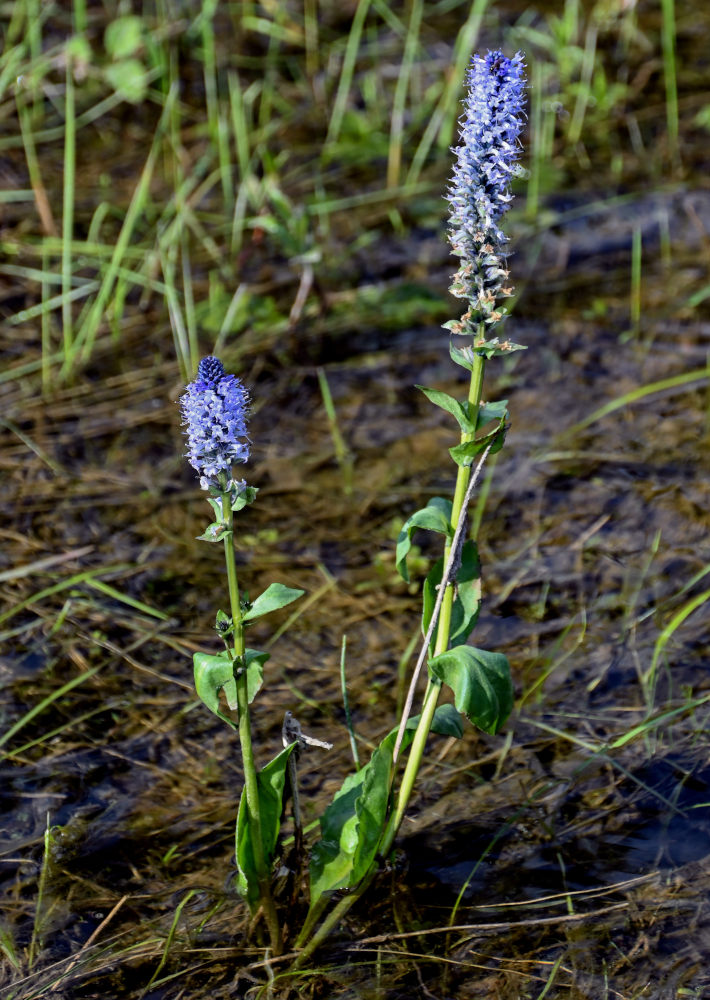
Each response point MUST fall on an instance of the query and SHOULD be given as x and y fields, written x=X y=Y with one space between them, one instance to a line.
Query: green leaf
x=212 y=675
x=352 y=825
x=436 y=516
x=490 y=415
x=467 y=603
x=129 y=79
x=481 y=683
x=447 y=722
x=462 y=356
x=270 y=783
x=215 y=673
x=496 y=348
x=464 y=453
x=452 y=406
x=247 y=496
x=216 y=505
x=124 y=36
x=254 y=661
x=215 y=532
x=492 y=411
x=354 y=822
x=274 y=597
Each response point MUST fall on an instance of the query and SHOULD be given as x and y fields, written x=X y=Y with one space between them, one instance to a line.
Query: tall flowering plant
x=360 y=825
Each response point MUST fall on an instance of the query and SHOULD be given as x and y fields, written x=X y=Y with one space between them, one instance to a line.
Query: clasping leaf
x=215 y=673
x=481 y=683
x=436 y=516
x=467 y=602
x=276 y=596
x=491 y=427
x=458 y=410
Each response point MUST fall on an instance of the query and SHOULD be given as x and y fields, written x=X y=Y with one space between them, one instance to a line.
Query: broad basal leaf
x=270 y=783
x=353 y=824
x=481 y=683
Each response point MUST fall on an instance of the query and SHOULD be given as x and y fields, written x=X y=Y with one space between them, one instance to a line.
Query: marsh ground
x=571 y=853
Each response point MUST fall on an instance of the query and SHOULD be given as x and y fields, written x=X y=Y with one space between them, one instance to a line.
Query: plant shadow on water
x=572 y=851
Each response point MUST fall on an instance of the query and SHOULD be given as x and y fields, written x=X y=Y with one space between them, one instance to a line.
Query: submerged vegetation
x=264 y=182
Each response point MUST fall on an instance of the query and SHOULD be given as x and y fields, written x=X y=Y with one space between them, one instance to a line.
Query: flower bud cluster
x=480 y=193
x=214 y=413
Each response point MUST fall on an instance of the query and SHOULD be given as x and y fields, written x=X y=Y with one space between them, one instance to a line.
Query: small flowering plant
x=359 y=827
x=214 y=409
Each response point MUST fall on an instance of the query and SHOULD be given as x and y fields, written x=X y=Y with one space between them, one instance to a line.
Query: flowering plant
x=360 y=825
x=214 y=409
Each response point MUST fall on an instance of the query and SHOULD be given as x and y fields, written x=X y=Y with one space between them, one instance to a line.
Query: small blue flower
x=480 y=193
x=214 y=413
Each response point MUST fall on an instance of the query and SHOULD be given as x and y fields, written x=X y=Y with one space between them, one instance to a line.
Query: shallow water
x=144 y=785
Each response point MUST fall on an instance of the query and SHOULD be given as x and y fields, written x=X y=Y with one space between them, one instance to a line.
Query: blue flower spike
x=480 y=191
x=214 y=414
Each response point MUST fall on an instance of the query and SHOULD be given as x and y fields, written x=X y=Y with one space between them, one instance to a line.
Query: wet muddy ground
x=573 y=849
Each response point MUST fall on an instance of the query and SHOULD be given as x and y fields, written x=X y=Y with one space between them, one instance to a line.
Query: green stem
x=433 y=688
x=314 y=914
x=431 y=697
x=251 y=785
x=333 y=919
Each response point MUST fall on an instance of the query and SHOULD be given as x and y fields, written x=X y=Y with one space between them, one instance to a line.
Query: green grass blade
x=46 y=702
x=57 y=588
x=442 y=123
x=668 y=43
x=68 y=204
x=664 y=385
x=676 y=621
x=81 y=349
x=394 y=159
x=347 y=71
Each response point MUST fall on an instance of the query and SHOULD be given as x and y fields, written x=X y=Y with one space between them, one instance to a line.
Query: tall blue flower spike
x=480 y=193
x=214 y=413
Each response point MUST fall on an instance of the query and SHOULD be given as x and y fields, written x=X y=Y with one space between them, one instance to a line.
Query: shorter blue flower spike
x=214 y=413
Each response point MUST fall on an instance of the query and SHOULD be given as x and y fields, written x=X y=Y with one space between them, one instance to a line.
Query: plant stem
x=312 y=917
x=251 y=785
x=431 y=697
x=332 y=920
